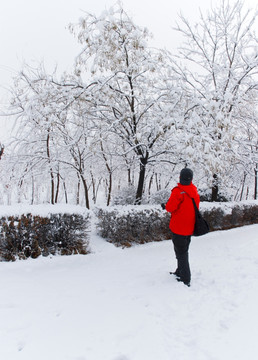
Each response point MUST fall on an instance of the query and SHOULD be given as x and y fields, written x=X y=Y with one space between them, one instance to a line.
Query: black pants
x=181 y=246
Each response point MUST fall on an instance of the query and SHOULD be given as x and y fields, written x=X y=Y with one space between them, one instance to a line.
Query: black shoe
x=187 y=283
x=176 y=273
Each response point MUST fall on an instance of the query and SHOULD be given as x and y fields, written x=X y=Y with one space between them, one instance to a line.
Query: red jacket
x=180 y=205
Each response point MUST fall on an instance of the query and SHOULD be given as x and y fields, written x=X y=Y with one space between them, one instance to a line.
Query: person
x=182 y=221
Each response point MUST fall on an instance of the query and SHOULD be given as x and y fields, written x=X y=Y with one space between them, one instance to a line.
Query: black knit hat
x=186 y=176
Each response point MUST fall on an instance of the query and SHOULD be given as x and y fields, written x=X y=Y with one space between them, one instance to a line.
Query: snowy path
x=122 y=304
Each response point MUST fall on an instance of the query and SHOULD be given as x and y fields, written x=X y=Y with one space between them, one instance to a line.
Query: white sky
x=35 y=30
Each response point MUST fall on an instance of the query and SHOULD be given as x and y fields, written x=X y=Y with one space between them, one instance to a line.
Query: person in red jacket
x=182 y=221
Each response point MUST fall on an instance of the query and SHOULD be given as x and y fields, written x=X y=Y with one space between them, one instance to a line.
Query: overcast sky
x=35 y=30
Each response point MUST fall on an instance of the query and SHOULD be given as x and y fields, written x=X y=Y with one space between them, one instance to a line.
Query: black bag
x=201 y=226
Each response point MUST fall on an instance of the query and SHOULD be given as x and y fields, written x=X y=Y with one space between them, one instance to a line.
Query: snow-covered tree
x=52 y=132
x=218 y=63
x=247 y=143
x=127 y=117
x=77 y=136
x=135 y=102
x=35 y=108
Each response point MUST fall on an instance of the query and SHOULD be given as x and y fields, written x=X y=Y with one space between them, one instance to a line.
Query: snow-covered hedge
x=34 y=231
x=223 y=216
x=125 y=225
x=31 y=231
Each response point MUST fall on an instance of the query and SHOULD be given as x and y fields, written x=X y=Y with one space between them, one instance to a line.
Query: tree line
x=129 y=116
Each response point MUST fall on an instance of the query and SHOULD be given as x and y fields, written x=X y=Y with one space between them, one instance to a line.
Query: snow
x=46 y=210
x=122 y=304
x=226 y=207
x=41 y=209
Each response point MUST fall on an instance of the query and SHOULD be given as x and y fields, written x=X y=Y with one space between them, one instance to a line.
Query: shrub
x=127 y=225
x=125 y=196
x=159 y=197
x=223 y=218
x=29 y=235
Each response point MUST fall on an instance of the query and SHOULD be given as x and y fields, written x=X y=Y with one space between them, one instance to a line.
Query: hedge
x=228 y=216
x=127 y=225
x=26 y=235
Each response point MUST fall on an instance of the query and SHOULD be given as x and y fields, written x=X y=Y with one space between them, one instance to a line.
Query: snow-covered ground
x=122 y=304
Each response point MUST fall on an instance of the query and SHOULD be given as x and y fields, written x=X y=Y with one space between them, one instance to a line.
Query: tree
x=247 y=141
x=136 y=102
x=35 y=108
x=52 y=132
x=219 y=63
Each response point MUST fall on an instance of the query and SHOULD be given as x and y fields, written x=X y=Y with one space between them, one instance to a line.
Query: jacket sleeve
x=174 y=201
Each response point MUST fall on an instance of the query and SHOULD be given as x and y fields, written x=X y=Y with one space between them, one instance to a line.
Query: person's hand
x=163 y=206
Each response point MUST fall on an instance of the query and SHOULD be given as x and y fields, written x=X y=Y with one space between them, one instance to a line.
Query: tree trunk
x=86 y=192
x=32 y=190
x=150 y=183
x=247 y=192
x=143 y=163
x=57 y=187
x=1 y=151
x=158 y=185
x=129 y=176
x=109 y=169
x=243 y=186
x=65 y=192
x=51 y=172
x=255 y=181
x=78 y=191
x=109 y=189
x=94 y=195
x=52 y=187
x=215 y=188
